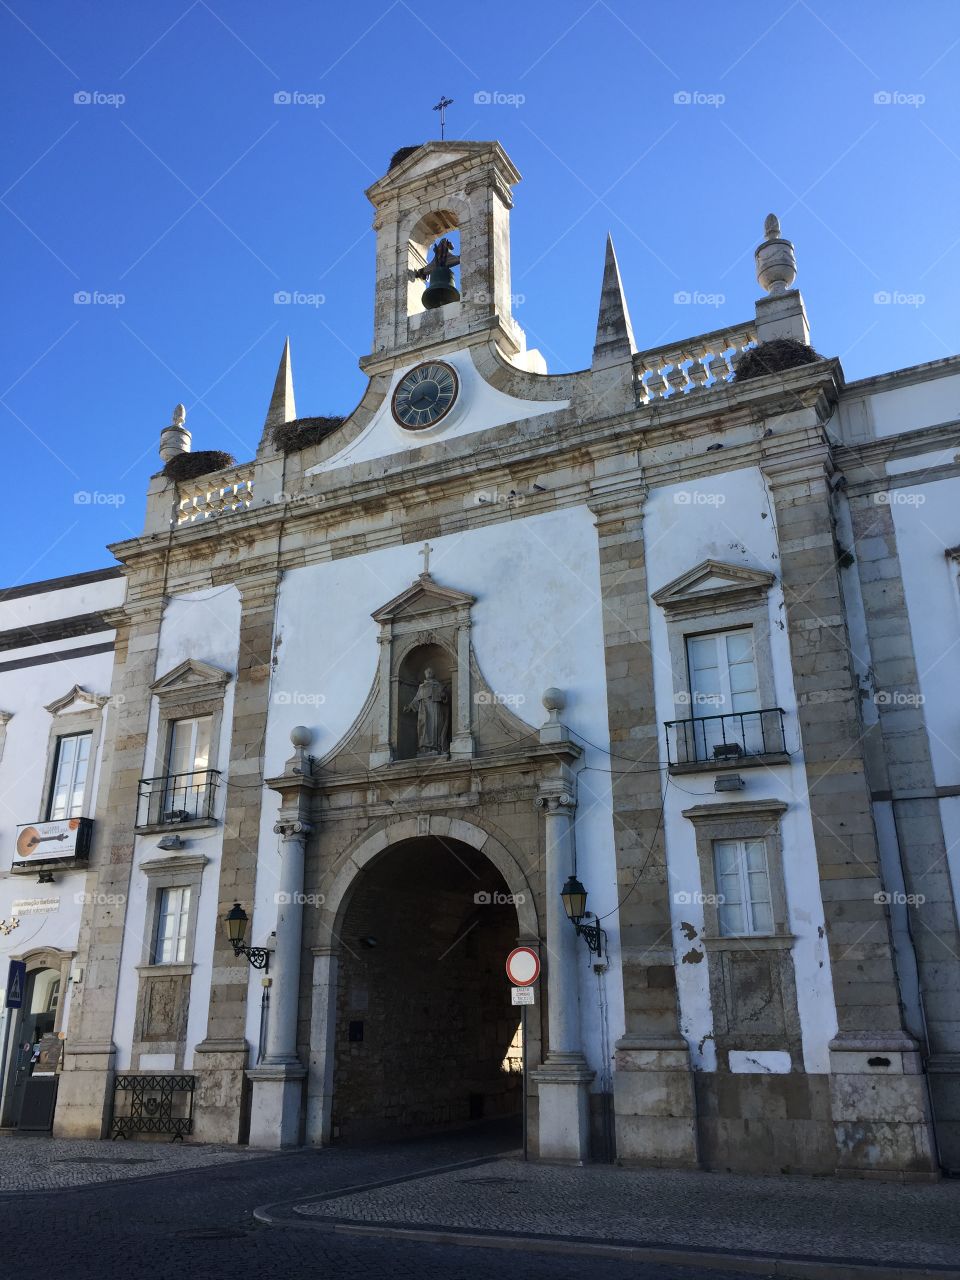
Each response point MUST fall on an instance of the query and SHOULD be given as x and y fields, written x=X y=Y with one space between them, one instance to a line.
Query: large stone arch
x=371 y=846
x=337 y=888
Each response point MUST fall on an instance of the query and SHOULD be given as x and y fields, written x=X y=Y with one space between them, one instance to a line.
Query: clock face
x=425 y=395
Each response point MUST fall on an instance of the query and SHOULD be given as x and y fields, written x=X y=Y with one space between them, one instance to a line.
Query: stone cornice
x=553 y=445
x=873 y=454
x=390 y=776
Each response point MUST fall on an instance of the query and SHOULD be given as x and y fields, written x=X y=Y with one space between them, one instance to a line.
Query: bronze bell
x=440 y=289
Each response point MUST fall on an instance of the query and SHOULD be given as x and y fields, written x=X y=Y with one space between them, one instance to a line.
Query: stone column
x=564 y=1077
x=278 y=1078
x=881 y=1114
x=462 y=738
x=654 y=1101
x=323 y=1027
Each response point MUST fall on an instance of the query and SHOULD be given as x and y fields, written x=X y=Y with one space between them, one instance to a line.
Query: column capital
x=293 y=829
x=613 y=499
x=556 y=799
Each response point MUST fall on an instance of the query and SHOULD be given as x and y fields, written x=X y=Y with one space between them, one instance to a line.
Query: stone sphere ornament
x=554 y=700
x=301 y=736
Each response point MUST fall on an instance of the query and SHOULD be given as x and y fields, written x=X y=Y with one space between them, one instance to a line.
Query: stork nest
x=774 y=357
x=291 y=437
x=398 y=157
x=187 y=466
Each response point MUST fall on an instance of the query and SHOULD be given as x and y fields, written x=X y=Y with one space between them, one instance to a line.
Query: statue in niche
x=432 y=710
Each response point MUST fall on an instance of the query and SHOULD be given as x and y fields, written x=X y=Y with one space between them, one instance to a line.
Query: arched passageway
x=426 y=1035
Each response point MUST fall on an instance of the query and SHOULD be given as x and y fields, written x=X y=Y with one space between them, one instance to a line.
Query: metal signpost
x=523 y=969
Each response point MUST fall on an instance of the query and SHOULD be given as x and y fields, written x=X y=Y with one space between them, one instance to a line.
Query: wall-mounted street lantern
x=574 y=897
x=236 y=921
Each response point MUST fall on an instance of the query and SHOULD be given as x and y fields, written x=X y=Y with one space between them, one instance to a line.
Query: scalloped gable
x=424 y=596
x=713 y=585
x=190 y=674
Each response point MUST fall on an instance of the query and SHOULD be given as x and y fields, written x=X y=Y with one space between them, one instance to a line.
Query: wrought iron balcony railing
x=177 y=797
x=726 y=739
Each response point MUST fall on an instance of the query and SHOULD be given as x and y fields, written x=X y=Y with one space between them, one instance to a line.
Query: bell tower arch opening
x=426 y=1036
x=433 y=250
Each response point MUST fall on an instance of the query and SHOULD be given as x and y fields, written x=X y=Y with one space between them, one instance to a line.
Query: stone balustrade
x=216 y=494
x=694 y=364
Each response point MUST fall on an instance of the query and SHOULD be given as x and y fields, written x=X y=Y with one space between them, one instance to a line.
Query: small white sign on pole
x=521 y=995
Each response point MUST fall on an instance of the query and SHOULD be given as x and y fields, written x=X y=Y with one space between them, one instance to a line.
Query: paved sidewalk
x=45 y=1164
x=843 y=1221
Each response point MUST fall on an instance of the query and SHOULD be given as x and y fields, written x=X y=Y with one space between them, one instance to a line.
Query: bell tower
x=443 y=219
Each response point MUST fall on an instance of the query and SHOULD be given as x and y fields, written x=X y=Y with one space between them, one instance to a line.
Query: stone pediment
x=76 y=699
x=711 y=586
x=191 y=677
x=424 y=597
x=436 y=155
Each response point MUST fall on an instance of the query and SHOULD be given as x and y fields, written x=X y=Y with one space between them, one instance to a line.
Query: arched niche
x=411 y=672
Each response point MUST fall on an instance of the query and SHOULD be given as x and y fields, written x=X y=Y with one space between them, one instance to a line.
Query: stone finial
x=300 y=762
x=776 y=258
x=175 y=439
x=614 y=342
x=552 y=732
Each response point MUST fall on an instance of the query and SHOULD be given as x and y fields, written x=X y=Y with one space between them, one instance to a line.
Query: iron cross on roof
x=442 y=107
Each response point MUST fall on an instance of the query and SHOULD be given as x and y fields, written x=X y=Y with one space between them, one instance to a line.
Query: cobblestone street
x=181 y=1210
x=196 y=1220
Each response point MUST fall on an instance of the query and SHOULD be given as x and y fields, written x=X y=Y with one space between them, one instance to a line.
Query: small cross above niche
x=425 y=552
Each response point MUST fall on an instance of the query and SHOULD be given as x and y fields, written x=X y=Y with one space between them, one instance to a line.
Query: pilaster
x=880 y=1108
x=222 y=1055
x=85 y=1091
x=654 y=1100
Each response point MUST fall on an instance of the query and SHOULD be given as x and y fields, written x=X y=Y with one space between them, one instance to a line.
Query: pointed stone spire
x=283 y=407
x=614 y=342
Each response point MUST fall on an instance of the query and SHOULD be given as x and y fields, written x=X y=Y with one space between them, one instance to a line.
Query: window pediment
x=191 y=678
x=713 y=586
x=77 y=699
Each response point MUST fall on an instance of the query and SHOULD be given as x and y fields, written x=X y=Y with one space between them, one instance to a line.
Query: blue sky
x=197 y=197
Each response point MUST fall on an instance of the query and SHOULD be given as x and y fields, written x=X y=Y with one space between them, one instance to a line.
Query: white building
x=662 y=626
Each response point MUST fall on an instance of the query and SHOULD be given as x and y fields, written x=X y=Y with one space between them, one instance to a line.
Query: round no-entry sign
x=523 y=966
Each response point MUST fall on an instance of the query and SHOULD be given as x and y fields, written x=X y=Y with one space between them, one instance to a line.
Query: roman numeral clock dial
x=425 y=395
